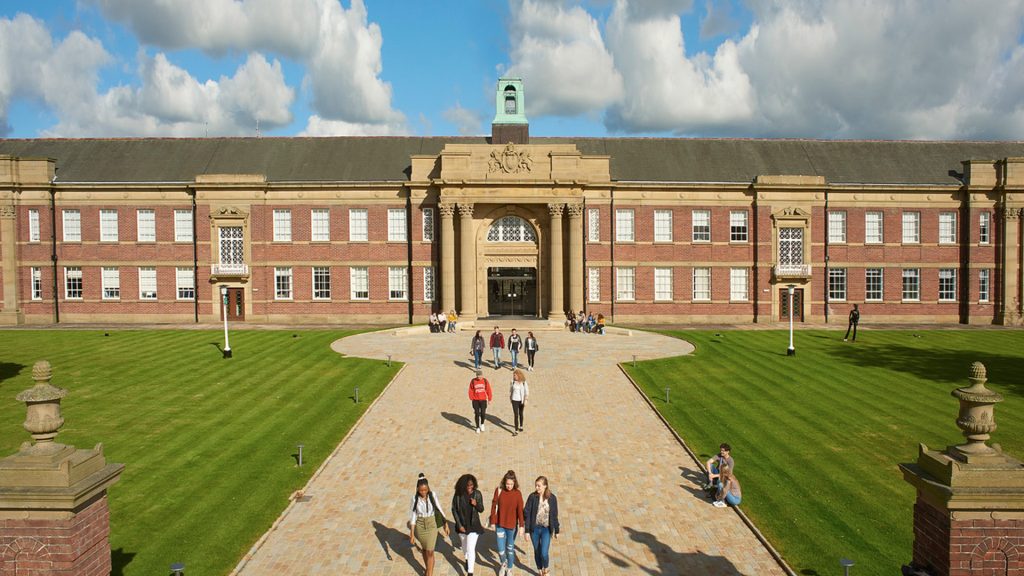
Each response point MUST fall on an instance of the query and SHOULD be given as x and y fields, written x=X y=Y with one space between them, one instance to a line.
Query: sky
x=831 y=69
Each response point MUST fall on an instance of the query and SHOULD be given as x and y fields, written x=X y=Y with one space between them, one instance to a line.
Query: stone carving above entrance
x=510 y=160
x=6 y=211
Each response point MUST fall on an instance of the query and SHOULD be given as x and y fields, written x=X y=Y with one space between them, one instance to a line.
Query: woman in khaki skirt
x=425 y=521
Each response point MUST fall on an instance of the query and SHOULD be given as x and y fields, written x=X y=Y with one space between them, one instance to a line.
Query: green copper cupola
x=510 y=123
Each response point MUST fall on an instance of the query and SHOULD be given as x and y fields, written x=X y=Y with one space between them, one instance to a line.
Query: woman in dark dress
x=467 y=504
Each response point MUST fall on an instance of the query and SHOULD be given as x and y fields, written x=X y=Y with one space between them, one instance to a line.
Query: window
x=873 y=285
x=146 y=220
x=662 y=284
x=594 y=284
x=37 y=283
x=662 y=225
x=837 y=227
x=593 y=225
x=282 y=225
x=624 y=226
x=397 y=282
x=232 y=245
x=110 y=279
x=738 y=226
x=108 y=225
x=72 y=225
x=702 y=226
x=182 y=225
x=701 y=284
x=359 y=279
x=791 y=246
x=947 y=285
x=982 y=285
x=738 y=283
x=511 y=229
x=911 y=284
x=185 y=283
x=357 y=231
x=984 y=227
x=282 y=283
x=428 y=224
x=872 y=227
x=320 y=225
x=396 y=225
x=624 y=285
x=837 y=284
x=321 y=283
x=947 y=227
x=72 y=281
x=33 y=225
x=428 y=284
x=147 y=283
x=911 y=227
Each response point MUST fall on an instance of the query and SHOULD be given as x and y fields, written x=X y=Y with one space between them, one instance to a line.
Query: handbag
x=439 y=518
x=493 y=520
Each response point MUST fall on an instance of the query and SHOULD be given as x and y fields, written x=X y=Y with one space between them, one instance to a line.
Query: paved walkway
x=627 y=494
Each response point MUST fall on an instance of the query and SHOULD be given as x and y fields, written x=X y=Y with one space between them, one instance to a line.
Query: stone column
x=969 y=513
x=467 y=267
x=1011 y=270
x=53 y=498
x=9 y=248
x=447 y=211
x=576 y=256
x=557 y=312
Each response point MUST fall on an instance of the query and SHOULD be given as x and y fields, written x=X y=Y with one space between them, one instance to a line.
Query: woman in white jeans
x=467 y=504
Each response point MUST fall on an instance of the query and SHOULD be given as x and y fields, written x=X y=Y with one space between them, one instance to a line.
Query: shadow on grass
x=118 y=560
x=668 y=562
x=9 y=370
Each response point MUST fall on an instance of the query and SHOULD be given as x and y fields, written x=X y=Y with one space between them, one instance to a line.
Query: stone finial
x=977 y=416
x=43 y=406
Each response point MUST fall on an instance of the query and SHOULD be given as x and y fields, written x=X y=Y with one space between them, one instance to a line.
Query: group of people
x=583 y=323
x=722 y=486
x=440 y=322
x=480 y=394
x=515 y=345
x=538 y=518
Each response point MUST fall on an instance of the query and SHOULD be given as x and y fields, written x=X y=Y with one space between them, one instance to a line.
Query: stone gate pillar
x=54 y=518
x=969 y=513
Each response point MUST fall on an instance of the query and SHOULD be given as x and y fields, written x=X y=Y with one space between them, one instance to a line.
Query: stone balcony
x=233 y=271
x=794 y=271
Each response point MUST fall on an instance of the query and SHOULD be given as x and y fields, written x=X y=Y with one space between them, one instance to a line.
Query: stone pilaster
x=1011 y=266
x=9 y=264
x=557 y=312
x=467 y=267
x=447 y=211
x=575 y=257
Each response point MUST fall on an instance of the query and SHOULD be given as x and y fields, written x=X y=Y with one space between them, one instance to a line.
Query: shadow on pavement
x=668 y=562
x=392 y=540
x=459 y=419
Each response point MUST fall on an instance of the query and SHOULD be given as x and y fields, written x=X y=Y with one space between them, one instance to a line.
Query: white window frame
x=984 y=285
x=398 y=283
x=837 y=284
x=702 y=284
x=396 y=225
x=73 y=273
x=701 y=224
x=359 y=277
x=320 y=225
x=663 y=284
x=947 y=293
x=914 y=275
x=911 y=227
x=110 y=283
x=182 y=225
x=36 y=286
x=429 y=224
x=869 y=236
x=71 y=225
x=984 y=227
x=869 y=275
x=317 y=276
x=33 y=225
x=108 y=225
x=625 y=231
x=947 y=227
x=837 y=226
x=739 y=231
x=145 y=228
x=625 y=284
x=739 y=285
x=593 y=225
x=282 y=226
x=145 y=281
x=283 y=285
x=594 y=284
x=429 y=283
x=662 y=225
x=185 y=284
x=358 y=225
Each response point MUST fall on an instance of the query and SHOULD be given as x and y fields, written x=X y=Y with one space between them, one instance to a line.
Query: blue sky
x=878 y=69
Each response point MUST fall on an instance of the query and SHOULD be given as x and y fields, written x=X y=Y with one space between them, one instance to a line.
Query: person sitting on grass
x=729 y=493
x=714 y=465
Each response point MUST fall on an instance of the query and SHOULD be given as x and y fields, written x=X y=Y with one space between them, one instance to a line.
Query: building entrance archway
x=512 y=291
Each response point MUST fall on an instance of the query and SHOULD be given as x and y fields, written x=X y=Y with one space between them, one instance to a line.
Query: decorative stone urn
x=43 y=420
x=976 y=418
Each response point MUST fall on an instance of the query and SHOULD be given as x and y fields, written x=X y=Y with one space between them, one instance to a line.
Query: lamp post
x=791 y=351
x=224 y=299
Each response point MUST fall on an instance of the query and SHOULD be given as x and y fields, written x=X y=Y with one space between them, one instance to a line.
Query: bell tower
x=510 y=123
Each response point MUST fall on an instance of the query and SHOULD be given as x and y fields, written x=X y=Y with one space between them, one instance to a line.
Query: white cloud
x=718 y=19
x=317 y=126
x=467 y=122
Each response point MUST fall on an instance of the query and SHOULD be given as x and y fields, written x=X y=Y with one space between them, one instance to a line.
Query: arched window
x=510 y=100
x=511 y=229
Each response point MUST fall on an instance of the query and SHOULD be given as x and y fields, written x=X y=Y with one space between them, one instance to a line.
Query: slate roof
x=375 y=159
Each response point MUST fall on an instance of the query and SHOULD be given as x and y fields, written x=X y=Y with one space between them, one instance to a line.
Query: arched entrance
x=510 y=275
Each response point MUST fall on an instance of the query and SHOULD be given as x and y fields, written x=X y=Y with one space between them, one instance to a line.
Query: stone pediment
x=486 y=163
x=791 y=213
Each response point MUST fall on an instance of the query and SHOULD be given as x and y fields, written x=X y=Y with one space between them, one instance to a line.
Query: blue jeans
x=477 y=356
x=506 y=545
x=497 y=357
x=732 y=500
x=515 y=358
x=541 y=537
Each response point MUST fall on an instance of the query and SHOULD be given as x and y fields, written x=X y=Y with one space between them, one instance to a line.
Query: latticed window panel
x=511 y=229
x=232 y=245
x=791 y=246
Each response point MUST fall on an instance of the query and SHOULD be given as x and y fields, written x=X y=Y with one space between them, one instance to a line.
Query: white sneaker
x=720 y=504
x=477 y=429
x=482 y=429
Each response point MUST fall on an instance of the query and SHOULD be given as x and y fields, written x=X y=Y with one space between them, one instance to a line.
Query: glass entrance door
x=512 y=291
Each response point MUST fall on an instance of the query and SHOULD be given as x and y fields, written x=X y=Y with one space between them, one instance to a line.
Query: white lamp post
x=791 y=351
x=224 y=298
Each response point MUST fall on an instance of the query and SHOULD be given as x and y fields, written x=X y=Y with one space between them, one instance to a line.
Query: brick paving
x=628 y=498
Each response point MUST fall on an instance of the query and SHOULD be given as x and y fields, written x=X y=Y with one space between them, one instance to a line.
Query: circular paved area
x=626 y=491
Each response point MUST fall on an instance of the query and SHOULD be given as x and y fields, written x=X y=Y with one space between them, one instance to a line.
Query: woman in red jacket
x=507 y=517
x=480 y=394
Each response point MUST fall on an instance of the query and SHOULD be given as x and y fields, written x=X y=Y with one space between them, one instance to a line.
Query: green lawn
x=208 y=443
x=817 y=437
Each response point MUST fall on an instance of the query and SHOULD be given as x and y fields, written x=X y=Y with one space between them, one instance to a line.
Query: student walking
x=515 y=343
x=541 y=515
x=476 y=350
x=497 y=343
x=507 y=518
x=729 y=493
x=854 y=320
x=519 y=391
x=425 y=521
x=531 y=349
x=480 y=394
x=467 y=504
